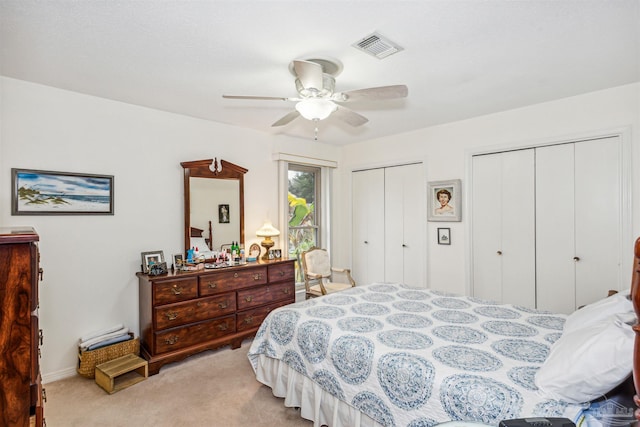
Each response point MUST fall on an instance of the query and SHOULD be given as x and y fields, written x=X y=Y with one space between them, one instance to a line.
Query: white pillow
x=200 y=243
x=589 y=362
x=598 y=311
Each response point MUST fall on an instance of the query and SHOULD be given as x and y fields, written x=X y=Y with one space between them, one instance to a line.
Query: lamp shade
x=267 y=230
x=316 y=108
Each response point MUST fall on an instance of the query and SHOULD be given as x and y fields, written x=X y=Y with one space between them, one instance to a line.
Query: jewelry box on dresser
x=21 y=392
x=184 y=313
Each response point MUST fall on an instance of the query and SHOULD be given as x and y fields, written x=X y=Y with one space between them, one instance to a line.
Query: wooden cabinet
x=21 y=395
x=184 y=313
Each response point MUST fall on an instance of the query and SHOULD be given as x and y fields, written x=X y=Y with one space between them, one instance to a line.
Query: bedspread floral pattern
x=415 y=358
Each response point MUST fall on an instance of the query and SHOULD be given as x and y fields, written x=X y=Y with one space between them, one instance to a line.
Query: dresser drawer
x=281 y=272
x=222 y=281
x=175 y=290
x=251 y=319
x=169 y=316
x=265 y=294
x=196 y=333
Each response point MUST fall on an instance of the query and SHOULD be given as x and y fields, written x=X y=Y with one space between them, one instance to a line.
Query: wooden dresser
x=184 y=313
x=21 y=394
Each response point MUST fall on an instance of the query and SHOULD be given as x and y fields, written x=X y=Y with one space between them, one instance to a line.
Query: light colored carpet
x=214 y=388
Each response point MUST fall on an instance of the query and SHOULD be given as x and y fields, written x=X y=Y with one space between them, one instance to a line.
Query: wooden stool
x=122 y=372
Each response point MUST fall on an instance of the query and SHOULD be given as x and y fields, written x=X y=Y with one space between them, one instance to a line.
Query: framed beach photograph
x=151 y=258
x=444 y=236
x=37 y=192
x=445 y=200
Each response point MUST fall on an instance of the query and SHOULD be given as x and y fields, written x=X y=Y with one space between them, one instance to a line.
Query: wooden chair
x=320 y=278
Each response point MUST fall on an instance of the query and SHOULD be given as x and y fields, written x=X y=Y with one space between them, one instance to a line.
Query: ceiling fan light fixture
x=316 y=108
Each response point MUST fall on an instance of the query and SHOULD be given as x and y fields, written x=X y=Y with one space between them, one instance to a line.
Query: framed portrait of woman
x=445 y=200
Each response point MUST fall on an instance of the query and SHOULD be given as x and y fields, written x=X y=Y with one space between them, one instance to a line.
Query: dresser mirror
x=213 y=204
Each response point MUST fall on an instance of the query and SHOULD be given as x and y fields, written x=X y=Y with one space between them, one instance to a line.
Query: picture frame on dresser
x=151 y=257
x=40 y=192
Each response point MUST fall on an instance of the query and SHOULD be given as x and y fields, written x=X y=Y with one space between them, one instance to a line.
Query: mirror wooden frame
x=204 y=169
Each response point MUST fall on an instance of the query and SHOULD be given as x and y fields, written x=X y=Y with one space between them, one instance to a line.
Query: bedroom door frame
x=626 y=208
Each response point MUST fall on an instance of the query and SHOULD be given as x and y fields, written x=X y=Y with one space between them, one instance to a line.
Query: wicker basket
x=89 y=359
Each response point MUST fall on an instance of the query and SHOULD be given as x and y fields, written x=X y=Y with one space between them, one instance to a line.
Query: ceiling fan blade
x=287 y=119
x=349 y=116
x=374 y=93
x=309 y=73
x=262 y=98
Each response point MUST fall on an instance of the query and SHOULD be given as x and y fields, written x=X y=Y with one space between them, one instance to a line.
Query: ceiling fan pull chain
x=315 y=135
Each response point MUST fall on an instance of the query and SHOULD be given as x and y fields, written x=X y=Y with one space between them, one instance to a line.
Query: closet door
x=555 y=234
x=579 y=212
x=368 y=226
x=598 y=207
x=503 y=227
x=404 y=225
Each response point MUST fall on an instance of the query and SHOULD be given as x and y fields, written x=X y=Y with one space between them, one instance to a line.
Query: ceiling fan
x=317 y=100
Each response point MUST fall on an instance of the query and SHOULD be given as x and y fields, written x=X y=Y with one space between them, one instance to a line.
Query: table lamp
x=267 y=231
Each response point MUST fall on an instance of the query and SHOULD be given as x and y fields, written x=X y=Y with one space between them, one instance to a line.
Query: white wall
x=90 y=262
x=446 y=149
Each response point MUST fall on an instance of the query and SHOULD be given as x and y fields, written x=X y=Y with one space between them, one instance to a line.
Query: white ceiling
x=462 y=58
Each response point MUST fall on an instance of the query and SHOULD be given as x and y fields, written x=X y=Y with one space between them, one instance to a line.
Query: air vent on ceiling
x=377 y=45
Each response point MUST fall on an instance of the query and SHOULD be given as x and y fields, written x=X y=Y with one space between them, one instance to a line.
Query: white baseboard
x=59 y=375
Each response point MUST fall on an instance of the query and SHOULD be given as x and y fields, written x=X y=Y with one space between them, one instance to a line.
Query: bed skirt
x=315 y=404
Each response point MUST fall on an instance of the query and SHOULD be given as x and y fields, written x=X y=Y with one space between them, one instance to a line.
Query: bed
x=385 y=354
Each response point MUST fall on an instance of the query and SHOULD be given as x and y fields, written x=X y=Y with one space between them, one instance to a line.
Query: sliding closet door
x=404 y=225
x=578 y=197
x=368 y=226
x=503 y=227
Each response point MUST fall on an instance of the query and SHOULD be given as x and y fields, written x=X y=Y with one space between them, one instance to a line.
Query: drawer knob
x=171 y=340
x=223 y=326
x=257 y=276
x=248 y=299
x=223 y=304
x=281 y=273
x=176 y=290
x=172 y=315
x=285 y=290
x=212 y=285
x=248 y=320
x=235 y=275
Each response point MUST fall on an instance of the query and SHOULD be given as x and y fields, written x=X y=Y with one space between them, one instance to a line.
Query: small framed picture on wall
x=223 y=214
x=444 y=236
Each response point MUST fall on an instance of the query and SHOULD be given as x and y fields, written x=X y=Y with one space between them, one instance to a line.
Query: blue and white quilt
x=415 y=358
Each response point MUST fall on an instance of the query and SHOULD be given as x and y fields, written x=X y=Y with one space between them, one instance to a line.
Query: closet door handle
x=499 y=252
x=576 y=258
x=404 y=246
x=366 y=242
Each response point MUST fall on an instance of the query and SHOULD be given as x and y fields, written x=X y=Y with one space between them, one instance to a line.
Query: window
x=304 y=211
